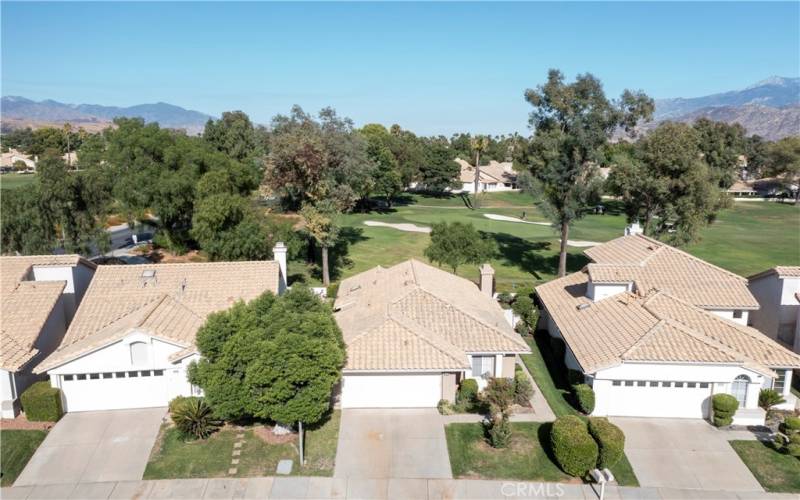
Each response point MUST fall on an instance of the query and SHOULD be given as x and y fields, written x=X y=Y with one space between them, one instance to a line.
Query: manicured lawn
x=16 y=448
x=775 y=471
x=174 y=457
x=11 y=181
x=750 y=237
x=550 y=376
x=526 y=458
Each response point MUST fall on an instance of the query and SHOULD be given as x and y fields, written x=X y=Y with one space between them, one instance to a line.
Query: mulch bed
x=23 y=424
x=264 y=432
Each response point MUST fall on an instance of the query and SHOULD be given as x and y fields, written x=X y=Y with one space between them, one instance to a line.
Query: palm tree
x=479 y=143
x=67 y=132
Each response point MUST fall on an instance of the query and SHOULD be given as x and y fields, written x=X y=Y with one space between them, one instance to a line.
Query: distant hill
x=19 y=111
x=769 y=108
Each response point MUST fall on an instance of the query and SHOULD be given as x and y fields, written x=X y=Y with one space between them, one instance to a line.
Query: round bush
x=574 y=449
x=793 y=450
x=585 y=397
x=42 y=403
x=610 y=441
x=724 y=406
x=791 y=425
x=722 y=421
x=468 y=391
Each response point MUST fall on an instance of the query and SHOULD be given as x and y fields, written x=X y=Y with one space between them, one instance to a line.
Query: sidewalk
x=335 y=488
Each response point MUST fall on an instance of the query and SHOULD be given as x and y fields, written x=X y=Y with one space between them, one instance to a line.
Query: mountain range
x=769 y=108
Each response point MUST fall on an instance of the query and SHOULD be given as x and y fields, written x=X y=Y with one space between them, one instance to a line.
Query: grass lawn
x=174 y=457
x=550 y=376
x=750 y=237
x=11 y=181
x=16 y=448
x=775 y=471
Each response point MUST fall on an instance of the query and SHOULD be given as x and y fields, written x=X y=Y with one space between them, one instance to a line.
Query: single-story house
x=656 y=332
x=133 y=337
x=778 y=293
x=495 y=176
x=39 y=295
x=414 y=332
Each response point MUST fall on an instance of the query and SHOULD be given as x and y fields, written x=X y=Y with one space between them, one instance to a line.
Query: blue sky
x=433 y=68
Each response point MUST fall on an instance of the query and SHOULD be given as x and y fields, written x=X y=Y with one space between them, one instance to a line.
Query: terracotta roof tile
x=23 y=314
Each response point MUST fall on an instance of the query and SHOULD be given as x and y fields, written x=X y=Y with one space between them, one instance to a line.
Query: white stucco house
x=133 y=336
x=495 y=176
x=414 y=332
x=38 y=296
x=778 y=293
x=656 y=332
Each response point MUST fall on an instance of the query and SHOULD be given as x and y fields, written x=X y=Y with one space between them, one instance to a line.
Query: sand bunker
x=572 y=243
x=411 y=228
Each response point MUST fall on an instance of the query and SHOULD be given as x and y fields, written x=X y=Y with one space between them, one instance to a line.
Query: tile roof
x=652 y=265
x=493 y=172
x=14 y=269
x=23 y=314
x=169 y=301
x=657 y=327
x=780 y=271
x=440 y=318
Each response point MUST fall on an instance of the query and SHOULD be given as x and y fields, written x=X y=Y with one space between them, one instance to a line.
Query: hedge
x=791 y=425
x=468 y=391
x=610 y=440
x=523 y=389
x=574 y=449
x=724 y=406
x=585 y=397
x=42 y=403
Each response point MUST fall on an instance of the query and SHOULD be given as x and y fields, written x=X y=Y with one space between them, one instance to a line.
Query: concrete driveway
x=382 y=444
x=684 y=453
x=95 y=446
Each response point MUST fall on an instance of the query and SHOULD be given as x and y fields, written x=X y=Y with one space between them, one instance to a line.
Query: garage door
x=115 y=390
x=626 y=398
x=391 y=391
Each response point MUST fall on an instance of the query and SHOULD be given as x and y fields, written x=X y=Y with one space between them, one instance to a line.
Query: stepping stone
x=235 y=461
x=236 y=453
x=284 y=467
x=237 y=445
x=232 y=471
x=240 y=436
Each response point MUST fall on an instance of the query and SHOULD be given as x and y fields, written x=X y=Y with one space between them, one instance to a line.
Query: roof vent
x=585 y=305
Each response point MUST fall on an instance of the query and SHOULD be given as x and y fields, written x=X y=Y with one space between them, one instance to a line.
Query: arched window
x=139 y=353
x=739 y=389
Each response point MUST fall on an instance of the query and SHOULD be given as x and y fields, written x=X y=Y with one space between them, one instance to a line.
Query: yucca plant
x=193 y=417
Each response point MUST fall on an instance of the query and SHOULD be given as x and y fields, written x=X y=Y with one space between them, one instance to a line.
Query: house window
x=691 y=385
x=158 y=373
x=81 y=376
x=737 y=314
x=119 y=374
x=133 y=374
x=94 y=376
x=641 y=383
x=139 y=354
x=146 y=373
x=704 y=385
x=780 y=383
x=679 y=384
x=67 y=377
x=739 y=389
x=653 y=384
x=107 y=375
x=616 y=382
x=629 y=383
x=482 y=366
x=666 y=384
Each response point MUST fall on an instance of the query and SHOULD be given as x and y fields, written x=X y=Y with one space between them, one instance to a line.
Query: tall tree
x=572 y=123
x=478 y=144
x=386 y=175
x=457 y=243
x=439 y=171
x=721 y=144
x=234 y=135
x=322 y=226
x=784 y=163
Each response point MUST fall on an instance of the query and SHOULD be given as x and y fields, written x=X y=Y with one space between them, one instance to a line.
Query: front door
x=739 y=390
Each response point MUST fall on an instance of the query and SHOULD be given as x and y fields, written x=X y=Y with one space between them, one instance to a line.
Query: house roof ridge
x=441 y=345
x=692 y=257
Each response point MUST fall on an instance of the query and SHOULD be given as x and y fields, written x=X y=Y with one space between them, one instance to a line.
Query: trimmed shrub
x=194 y=418
x=584 y=395
x=42 y=403
x=178 y=401
x=445 y=407
x=523 y=389
x=573 y=448
x=790 y=425
x=767 y=398
x=467 y=391
x=610 y=441
x=724 y=407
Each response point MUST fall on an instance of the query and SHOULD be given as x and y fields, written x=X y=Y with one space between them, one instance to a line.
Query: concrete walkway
x=340 y=488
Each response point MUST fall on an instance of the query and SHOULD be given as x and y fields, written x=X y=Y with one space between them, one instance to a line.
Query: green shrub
x=767 y=398
x=573 y=448
x=499 y=431
x=445 y=407
x=790 y=425
x=610 y=441
x=42 y=403
x=523 y=389
x=584 y=395
x=498 y=395
x=795 y=438
x=793 y=450
x=467 y=391
x=179 y=401
x=333 y=289
x=194 y=418
x=724 y=407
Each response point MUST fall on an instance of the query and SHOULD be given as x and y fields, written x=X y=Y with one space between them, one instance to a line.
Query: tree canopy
x=457 y=243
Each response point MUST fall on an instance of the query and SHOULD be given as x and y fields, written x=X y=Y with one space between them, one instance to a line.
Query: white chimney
x=279 y=255
x=487 y=280
x=633 y=229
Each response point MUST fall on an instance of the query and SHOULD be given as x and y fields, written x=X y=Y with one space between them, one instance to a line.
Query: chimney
x=487 y=280
x=633 y=229
x=279 y=255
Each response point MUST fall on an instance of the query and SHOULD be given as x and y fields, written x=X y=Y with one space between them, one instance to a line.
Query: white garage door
x=115 y=390
x=627 y=398
x=391 y=391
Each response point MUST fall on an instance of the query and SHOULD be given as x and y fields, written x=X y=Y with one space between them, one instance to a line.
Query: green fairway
x=11 y=181
x=747 y=238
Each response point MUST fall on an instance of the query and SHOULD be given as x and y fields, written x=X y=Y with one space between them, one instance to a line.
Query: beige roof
x=658 y=327
x=413 y=316
x=25 y=311
x=14 y=269
x=780 y=271
x=652 y=265
x=493 y=172
x=171 y=304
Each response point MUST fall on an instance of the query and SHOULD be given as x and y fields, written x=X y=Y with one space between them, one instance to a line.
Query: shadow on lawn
x=554 y=361
x=524 y=254
x=338 y=254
